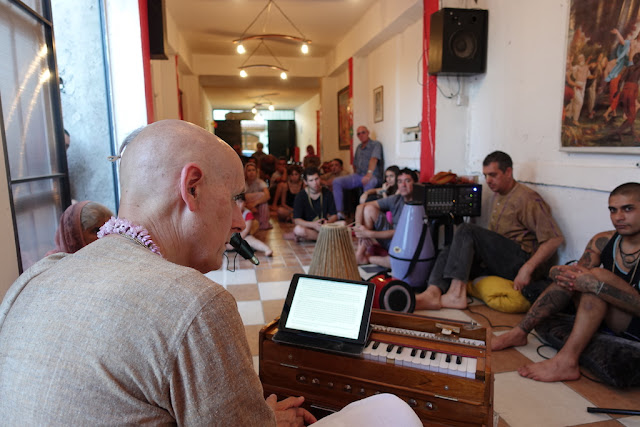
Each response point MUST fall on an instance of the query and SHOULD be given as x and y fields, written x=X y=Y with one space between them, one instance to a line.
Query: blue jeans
x=347 y=183
x=475 y=252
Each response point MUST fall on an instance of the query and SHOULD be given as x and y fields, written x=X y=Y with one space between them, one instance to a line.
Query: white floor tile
x=630 y=421
x=522 y=402
x=256 y=360
x=531 y=349
x=273 y=290
x=238 y=277
x=251 y=312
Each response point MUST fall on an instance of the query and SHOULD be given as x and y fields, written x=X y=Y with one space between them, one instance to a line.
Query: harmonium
x=441 y=368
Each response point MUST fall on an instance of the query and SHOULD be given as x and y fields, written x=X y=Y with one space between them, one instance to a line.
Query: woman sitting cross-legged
x=257 y=195
x=286 y=193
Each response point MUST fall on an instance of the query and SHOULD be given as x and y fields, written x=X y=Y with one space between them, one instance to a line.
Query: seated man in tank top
x=604 y=284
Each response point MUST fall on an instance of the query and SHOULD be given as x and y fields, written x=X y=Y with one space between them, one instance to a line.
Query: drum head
x=397 y=296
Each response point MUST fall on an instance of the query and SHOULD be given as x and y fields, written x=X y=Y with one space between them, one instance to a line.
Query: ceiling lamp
x=262 y=101
x=300 y=38
x=279 y=67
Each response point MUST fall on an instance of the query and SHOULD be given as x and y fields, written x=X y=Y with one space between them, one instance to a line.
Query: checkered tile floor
x=518 y=402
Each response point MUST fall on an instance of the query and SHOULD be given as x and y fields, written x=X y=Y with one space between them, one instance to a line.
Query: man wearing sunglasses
x=368 y=164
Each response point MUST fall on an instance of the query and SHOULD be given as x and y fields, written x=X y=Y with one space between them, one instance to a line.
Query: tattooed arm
x=590 y=258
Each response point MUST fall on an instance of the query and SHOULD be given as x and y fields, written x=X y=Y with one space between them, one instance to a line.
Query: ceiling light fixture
x=304 y=42
x=262 y=101
x=279 y=67
x=240 y=48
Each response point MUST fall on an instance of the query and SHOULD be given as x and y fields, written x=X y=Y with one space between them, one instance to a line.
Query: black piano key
x=448 y=359
x=376 y=345
x=389 y=348
x=413 y=352
x=459 y=360
x=433 y=355
x=423 y=354
x=399 y=350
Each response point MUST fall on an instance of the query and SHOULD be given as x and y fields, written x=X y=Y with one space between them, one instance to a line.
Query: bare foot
x=429 y=300
x=557 y=368
x=361 y=254
x=514 y=338
x=449 y=300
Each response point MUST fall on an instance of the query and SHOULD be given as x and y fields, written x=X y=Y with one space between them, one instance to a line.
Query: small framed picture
x=378 y=105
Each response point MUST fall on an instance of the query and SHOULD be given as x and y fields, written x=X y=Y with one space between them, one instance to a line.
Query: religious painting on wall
x=601 y=77
x=344 y=119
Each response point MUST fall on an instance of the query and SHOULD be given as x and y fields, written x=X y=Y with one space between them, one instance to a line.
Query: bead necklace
x=132 y=232
x=628 y=259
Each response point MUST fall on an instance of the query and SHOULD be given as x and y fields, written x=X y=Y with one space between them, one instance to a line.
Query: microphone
x=243 y=248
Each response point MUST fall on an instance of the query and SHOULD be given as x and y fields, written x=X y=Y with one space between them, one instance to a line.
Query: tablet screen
x=327 y=306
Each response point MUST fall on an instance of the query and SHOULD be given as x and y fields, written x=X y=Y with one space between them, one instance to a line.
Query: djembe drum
x=334 y=255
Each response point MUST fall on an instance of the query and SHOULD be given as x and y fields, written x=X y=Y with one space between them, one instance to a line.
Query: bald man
x=128 y=330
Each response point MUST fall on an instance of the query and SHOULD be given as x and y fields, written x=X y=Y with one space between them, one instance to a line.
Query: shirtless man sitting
x=604 y=285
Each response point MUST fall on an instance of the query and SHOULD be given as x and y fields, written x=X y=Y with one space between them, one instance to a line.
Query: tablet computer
x=325 y=313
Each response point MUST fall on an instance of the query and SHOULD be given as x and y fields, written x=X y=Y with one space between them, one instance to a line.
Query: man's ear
x=191 y=181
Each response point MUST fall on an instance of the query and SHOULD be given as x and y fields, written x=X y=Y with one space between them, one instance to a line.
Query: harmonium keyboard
x=441 y=368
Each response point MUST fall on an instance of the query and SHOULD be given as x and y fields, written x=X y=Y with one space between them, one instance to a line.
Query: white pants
x=381 y=410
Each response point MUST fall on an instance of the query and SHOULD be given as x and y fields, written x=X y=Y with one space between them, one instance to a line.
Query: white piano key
x=442 y=367
x=471 y=367
x=404 y=357
x=424 y=360
x=368 y=350
x=380 y=352
x=435 y=361
x=392 y=356
x=414 y=361
x=461 y=368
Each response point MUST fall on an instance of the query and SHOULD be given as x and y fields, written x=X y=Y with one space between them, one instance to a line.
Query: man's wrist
x=369 y=172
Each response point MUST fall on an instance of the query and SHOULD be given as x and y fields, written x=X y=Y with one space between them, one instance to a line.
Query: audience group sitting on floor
x=518 y=244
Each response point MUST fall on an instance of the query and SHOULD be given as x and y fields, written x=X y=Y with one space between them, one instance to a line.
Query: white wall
x=307 y=126
x=329 y=123
x=396 y=66
x=165 y=89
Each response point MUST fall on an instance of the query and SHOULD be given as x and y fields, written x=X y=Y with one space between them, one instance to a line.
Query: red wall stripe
x=429 y=94
x=146 y=58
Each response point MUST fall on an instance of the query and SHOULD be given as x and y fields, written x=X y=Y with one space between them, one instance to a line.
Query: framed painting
x=344 y=119
x=378 y=105
x=601 y=74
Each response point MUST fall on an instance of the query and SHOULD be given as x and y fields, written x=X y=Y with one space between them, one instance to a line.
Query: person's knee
x=299 y=230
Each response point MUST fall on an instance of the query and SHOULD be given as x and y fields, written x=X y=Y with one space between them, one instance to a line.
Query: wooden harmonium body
x=439 y=367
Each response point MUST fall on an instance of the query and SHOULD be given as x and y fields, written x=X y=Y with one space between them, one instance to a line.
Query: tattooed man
x=604 y=286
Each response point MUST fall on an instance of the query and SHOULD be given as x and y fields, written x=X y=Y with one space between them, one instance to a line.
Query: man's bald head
x=178 y=181
x=153 y=159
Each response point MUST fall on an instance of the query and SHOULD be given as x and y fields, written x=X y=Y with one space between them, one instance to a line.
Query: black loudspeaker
x=157 y=28
x=458 y=41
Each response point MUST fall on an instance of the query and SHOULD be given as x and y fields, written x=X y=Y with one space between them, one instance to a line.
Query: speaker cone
x=463 y=44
